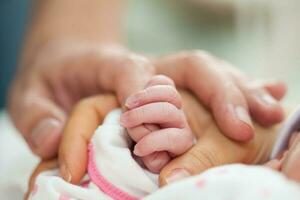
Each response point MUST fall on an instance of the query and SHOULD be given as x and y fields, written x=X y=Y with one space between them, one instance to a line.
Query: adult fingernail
x=65 y=173
x=267 y=99
x=44 y=129
x=176 y=175
x=243 y=115
x=131 y=102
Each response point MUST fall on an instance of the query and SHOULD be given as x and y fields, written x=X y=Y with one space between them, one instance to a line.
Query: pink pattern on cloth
x=102 y=183
x=63 y=197
x=201 y=183
x=85 y=184
x=266 y=193
x=34 y=190
x=222 y=172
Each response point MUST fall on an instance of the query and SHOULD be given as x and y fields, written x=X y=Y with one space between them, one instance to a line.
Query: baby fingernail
x=131 y=102
x=65 y=173
x=137 y=152
x=176 y=175
x=43 y=129
x=243 y=115
x=267 y=99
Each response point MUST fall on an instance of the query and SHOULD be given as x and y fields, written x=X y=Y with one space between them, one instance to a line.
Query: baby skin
x=156 y=122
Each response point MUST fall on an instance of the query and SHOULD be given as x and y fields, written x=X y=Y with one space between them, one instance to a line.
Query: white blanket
x=16 y=161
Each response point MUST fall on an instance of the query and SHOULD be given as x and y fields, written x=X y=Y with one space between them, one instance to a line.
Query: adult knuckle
x=162 y=79
x=82 y=104
x=195 y=56
x=136 y=61
x=197 y=61
x=201 y=54
x=85 y=104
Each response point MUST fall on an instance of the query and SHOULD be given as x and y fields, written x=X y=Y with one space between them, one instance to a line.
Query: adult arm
x=72 y=50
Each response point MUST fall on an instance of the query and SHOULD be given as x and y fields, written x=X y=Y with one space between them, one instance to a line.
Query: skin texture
x=53 y=75
x=62 y=76
x=56 y=62
x=156 y=122
x=58 y=78
x=230 y=96
x=79 y=54
x=212 y=147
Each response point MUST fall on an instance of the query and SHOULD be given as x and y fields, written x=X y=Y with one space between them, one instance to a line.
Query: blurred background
x=259 y=36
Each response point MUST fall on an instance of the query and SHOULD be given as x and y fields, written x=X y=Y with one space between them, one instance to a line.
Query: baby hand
x=157 y=124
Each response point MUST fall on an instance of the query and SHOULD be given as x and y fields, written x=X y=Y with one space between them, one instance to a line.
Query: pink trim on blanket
x=103 y=184
x=85 y=184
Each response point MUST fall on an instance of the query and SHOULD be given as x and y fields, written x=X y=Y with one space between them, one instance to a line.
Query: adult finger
x=36 y=115
x=43 y=166
x=263 y=107
x=83 y=121
x=132 y=72
x=277 y=89
x=202 y=74
x=262 y=96
x=212 y=149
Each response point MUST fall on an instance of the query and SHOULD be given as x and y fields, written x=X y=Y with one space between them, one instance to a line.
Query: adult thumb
x=211 y=150
x=36 y=116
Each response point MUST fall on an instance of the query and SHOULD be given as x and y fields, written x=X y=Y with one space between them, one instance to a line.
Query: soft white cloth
x=113 y=173
x=16 y=161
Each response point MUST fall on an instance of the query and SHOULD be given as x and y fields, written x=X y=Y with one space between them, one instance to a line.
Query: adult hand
x=86 y=116
x=231 y=97
x=212 y=148
x=225 y=91
x=60 y=74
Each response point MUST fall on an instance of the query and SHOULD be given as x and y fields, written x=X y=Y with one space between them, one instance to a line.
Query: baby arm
x=156 y=122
